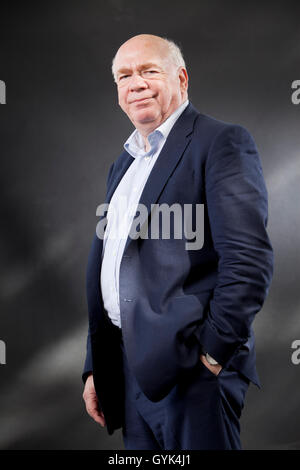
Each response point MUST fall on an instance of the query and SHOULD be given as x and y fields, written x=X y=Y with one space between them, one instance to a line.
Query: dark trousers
x=201 y=412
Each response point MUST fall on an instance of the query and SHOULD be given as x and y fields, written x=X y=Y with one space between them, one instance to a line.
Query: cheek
x=164 y=96
x=122 y=99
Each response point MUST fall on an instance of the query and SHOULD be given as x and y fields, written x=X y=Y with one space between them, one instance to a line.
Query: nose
x=137 y=83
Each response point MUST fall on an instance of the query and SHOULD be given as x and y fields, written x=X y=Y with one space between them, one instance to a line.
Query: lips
x=141 y=100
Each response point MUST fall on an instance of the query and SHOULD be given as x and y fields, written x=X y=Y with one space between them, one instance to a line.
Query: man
x=170 y=348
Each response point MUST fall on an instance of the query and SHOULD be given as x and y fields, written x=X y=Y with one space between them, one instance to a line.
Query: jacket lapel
x=175 y=145
x=126 y=161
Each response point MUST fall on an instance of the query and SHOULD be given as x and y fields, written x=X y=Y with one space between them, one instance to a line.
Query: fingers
x=93 y=410
x=91 y=402
x=215 y=369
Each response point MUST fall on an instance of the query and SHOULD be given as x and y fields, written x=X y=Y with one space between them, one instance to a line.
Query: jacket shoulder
x=213 y=127
x=209 y=130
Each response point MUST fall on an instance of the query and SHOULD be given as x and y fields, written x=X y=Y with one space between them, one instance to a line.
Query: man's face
x=150 y=86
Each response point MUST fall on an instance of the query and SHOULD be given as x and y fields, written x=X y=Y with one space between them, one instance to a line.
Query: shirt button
x=147 y=158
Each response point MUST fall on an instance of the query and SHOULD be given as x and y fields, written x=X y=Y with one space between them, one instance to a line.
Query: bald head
x=165 y=47
x=151 y=80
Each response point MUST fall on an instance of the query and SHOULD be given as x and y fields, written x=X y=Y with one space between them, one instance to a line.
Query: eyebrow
x=147 y=65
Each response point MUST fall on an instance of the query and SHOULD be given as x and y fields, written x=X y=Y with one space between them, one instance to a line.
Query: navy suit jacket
x=174 y=301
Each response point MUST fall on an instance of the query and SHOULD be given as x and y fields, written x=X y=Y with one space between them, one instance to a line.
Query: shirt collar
x=134 y=145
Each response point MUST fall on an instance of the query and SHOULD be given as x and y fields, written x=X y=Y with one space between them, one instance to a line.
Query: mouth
x=141 y=100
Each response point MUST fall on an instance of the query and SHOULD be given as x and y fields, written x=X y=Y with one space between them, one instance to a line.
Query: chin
x=144 y=116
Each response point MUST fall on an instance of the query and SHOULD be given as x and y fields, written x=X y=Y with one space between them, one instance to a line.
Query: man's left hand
x=216 y=369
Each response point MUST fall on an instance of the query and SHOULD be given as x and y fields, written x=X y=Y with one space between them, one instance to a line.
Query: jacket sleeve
x=88 y=365
x=237 y=206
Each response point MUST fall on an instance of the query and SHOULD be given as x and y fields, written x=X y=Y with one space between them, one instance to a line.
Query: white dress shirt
x=123 y=206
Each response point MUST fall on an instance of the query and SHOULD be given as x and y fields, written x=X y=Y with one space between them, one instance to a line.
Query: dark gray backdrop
x=60 y=130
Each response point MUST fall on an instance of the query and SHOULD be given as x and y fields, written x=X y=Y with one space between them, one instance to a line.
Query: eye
x=151 y=71
x=122 y=77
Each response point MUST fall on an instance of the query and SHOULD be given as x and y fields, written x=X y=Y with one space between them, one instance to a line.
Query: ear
x=184 y=79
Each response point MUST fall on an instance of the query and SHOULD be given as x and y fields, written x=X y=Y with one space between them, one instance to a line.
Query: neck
x=146 y=143
x=147 y=129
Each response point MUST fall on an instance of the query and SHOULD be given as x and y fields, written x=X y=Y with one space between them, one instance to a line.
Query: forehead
x=138 y=55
